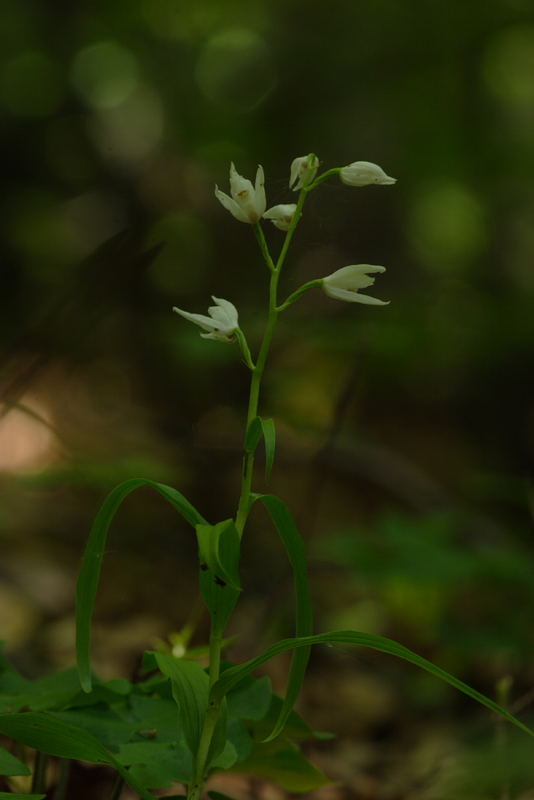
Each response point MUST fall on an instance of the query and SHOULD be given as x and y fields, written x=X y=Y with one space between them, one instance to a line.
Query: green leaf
x=234 y=675
x=269 y=437
x=296 y=552
x=190 y=688
x=218 y=796
x=92 y=561
x=17 y=796
x=158 y=765
x=282 y=762
x=9 y=765
x=219 y=549
x=251 y=699
x=46 y=733
x=253 y=435
x=295 y=727
x=262 y=427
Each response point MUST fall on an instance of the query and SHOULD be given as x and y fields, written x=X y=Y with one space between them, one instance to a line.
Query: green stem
x=257 y=373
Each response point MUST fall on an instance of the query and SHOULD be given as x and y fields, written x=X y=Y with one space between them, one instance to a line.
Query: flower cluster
x=247 y=203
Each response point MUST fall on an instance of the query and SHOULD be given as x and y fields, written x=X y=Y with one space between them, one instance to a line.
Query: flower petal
x=230 y=205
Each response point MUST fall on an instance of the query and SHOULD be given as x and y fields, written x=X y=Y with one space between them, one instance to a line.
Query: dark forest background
x=405 y=434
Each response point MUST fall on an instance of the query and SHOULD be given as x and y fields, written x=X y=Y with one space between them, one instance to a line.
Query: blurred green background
x=405 y=434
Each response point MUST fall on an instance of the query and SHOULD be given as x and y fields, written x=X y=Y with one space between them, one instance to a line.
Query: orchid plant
x=183 y=721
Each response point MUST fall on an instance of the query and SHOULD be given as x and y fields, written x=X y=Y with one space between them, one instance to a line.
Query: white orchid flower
x=303 y=171
x=345 y=283
x=221 y=324
x=363 y=173
x=282 y=215
x=247 y=202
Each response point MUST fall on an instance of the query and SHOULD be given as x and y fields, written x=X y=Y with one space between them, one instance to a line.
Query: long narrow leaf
x=269 y=437
x=53 y=736
x=296 y=552
x=233 y=675
x=92 y=561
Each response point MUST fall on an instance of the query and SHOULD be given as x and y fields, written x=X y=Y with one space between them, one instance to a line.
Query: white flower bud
x=345 y=283
x=221 y=324
x=303 y=171
x=281 y=216
x=247 y=202
x=363 y=173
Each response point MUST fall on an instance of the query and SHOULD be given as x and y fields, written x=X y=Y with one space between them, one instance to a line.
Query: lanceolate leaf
x=190 y=688
x=296 y=552
x=92 y=561
x=269 y=437
x=219 y=549
x=54 y=737
x=262 y=427
x=233 y=675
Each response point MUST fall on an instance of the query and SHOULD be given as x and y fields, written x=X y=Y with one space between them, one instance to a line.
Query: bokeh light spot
x=131 y=130
x=235 y=70
x=105 y=74
x=447 y=226
x=508 y=66
x=27 y=443
x=31 y=85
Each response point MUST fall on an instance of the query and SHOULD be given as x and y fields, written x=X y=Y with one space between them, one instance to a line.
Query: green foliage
x=149 y=732
x=294 y=545
x=262 y=427
x=219 y=551
x=234 y=675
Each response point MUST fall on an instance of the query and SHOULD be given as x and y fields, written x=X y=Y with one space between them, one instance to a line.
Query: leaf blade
x=296 y=552
x=46 y=733
x=89 y=575
x=233 y=675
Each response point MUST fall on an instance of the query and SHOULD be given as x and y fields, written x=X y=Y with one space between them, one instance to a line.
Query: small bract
x=221 y=324
x=364 y=173
x=247 y=202
x=281 y=216
x=345 y=284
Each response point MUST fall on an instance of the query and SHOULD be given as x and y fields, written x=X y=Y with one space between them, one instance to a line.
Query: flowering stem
x=257 y=372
